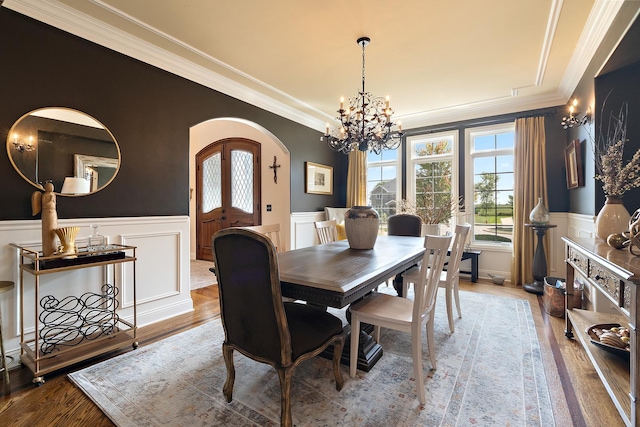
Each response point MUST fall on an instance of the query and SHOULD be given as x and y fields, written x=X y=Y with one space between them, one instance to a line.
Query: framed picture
x=319 y=178
x=573 y=164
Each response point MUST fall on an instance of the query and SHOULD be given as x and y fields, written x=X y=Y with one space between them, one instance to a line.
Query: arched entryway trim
x=276 y=195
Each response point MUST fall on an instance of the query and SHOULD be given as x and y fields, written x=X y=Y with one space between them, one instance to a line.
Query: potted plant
x=432 y=210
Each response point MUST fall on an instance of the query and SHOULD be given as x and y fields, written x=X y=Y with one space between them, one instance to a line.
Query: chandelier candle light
x=366 y=123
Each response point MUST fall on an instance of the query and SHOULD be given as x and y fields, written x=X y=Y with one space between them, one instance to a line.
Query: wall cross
x=275 y=170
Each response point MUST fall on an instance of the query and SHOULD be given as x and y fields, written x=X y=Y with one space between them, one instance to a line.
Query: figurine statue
x=46 y=203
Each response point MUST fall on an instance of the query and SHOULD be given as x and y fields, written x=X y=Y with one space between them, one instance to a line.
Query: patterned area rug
x=490 y=372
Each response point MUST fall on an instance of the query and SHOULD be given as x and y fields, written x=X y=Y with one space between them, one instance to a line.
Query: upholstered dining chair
x=258 y=323
x=272 y=231
x=404 y=225
x=449 y=279
x=401 y=314
x=327 y=230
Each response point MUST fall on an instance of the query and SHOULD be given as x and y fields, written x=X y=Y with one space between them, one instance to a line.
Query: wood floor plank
x=59 y=402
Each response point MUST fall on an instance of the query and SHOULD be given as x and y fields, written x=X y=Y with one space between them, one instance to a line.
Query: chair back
x=272 y=231
x=251 y=307
x=404 y=225
x=436 y=248
x=335 y=213
x=327 y=230
x=455 y=256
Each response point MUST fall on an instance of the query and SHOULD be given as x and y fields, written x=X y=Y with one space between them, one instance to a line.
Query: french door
x=227 y=189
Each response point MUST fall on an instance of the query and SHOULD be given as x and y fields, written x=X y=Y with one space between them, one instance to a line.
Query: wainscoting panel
x=303 y=232
x=162 y=270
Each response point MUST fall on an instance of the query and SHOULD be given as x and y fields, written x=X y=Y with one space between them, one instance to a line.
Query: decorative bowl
x=595 y=339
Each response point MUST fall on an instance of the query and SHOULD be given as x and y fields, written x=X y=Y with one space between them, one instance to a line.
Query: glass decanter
x=96 y=241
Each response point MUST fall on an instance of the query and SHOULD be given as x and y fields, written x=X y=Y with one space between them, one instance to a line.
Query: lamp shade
x=74 y=185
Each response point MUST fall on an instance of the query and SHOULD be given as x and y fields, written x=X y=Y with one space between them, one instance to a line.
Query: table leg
x=369 y=351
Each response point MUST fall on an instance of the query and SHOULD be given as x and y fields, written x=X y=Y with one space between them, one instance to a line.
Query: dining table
x=334 y=275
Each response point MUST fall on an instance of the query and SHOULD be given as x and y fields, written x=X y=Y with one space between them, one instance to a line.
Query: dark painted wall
x=612 y=91
x=624 y=36
x=149 y=112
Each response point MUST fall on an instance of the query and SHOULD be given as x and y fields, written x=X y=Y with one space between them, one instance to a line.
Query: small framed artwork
x=319 y=178
x=573 y=164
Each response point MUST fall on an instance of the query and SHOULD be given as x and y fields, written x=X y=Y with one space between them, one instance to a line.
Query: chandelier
x=366 y=122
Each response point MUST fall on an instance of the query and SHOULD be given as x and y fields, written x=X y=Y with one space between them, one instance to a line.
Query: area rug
x=489 y=372
x=200 y=275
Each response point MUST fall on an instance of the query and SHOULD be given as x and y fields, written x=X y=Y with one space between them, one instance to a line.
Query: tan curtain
x=357 y=179
x=530 y=183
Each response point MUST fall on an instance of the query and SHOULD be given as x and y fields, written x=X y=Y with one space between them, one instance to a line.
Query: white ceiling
x=438 y=60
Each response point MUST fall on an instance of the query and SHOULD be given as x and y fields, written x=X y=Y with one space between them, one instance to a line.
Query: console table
x=616 y=274
x=74 y=328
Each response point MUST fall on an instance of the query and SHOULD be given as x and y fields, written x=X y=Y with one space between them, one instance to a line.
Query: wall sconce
x=574 y=120
x=21 y=146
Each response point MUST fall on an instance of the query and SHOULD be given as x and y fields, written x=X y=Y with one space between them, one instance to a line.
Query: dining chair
x=404 y=224
x=327 y=230
x=272 y=231
x=449 y=279
x=401 y=314
x=258 y=323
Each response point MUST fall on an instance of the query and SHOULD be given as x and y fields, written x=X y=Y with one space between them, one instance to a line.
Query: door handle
x=223 y=218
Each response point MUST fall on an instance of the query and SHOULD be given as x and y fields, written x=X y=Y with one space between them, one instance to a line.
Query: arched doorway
x=276 y=203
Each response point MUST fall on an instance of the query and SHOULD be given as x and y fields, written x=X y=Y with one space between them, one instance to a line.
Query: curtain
x=357 y=179
x=530 y=183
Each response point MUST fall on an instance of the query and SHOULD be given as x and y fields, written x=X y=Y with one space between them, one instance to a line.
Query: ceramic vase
x=539 y=214
x=431 y=229
x=612 y=218
x=361 y=225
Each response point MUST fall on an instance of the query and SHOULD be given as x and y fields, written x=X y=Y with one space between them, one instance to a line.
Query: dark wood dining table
x=334 y=275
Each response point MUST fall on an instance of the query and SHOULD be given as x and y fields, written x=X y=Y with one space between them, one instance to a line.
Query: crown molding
x=60 y=16
x=600 y=19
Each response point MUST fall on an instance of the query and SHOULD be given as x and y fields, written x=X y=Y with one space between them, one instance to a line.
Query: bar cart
x=74 y=328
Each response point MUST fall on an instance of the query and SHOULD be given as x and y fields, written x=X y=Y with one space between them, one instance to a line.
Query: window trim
x=382 y=163
x=469 y=155
x=412 y=161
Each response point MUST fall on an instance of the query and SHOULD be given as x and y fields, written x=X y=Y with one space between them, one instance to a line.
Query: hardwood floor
x=578 y=396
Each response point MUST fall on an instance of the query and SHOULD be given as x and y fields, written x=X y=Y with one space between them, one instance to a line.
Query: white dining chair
x=449 y=279
x=401 y=314
x=272 y=231
x=327 y=230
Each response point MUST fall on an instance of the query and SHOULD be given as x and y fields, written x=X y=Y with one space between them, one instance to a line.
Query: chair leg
x=405 y=288
x=5 y=368
x=416 y=344
x=285 y=376
x=431 y=342
x=227 y=352
x=376 y=333
x=338 y=345
x=449 y=292
x=457 y=297
x=353 y=351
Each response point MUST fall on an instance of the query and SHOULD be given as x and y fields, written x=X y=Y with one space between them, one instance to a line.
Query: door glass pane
x=211 y=183
x=242 y=180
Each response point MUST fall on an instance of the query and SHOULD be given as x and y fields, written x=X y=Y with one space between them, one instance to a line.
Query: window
x=382 y=183
x=489 y=179
x=432 y=175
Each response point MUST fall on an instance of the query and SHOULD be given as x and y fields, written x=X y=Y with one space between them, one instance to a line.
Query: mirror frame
x=79 y=160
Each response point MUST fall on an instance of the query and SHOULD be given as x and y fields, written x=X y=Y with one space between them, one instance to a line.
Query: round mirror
x=69 y=148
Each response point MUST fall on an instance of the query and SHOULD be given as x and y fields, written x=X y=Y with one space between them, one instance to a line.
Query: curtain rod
x=545 y=112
